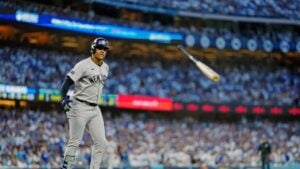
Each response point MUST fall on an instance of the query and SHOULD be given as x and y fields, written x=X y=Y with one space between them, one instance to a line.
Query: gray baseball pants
x=80 y=117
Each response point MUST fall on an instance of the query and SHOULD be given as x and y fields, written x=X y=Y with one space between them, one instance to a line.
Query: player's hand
x=66 y=103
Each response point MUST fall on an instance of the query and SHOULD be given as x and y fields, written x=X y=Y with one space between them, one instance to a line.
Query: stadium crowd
x=258 y=8
x=288 y=9
x=35 y=139
x=245 y=80
x=257 y=33
x=87 y=16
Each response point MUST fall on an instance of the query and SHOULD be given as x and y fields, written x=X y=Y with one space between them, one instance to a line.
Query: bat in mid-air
x=207 y=71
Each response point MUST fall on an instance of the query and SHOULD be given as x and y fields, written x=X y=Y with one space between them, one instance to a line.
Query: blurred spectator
x=112 y=151
x=124 y=156
x=265 y=150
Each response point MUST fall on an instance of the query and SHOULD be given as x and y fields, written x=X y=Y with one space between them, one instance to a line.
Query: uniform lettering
x=94 y=79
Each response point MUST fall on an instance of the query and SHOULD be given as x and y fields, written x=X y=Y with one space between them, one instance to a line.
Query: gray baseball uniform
x=89 y=79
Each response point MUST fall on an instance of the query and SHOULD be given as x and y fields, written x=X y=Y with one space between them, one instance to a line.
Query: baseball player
x=88 y=77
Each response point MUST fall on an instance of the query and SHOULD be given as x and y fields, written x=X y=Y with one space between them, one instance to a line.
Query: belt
x=88 y=103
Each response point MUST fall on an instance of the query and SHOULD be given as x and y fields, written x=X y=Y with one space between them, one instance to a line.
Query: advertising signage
x=144 y=103
x=148 y=103
x=109 y=30
x=235 y=109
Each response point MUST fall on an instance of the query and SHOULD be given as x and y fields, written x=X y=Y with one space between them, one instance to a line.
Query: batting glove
x=66 y=103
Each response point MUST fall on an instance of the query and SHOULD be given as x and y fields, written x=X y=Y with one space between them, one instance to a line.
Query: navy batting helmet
x=99 y=43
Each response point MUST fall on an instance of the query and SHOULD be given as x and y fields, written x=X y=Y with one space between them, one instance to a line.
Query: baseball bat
x=207 y=71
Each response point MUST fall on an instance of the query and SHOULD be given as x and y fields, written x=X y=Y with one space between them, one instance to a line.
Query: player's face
x=100 y=53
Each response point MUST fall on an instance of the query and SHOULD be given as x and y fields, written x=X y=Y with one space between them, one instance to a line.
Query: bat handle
x=180 y=47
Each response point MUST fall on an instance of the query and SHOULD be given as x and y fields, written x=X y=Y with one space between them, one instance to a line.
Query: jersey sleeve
x=76 y=72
